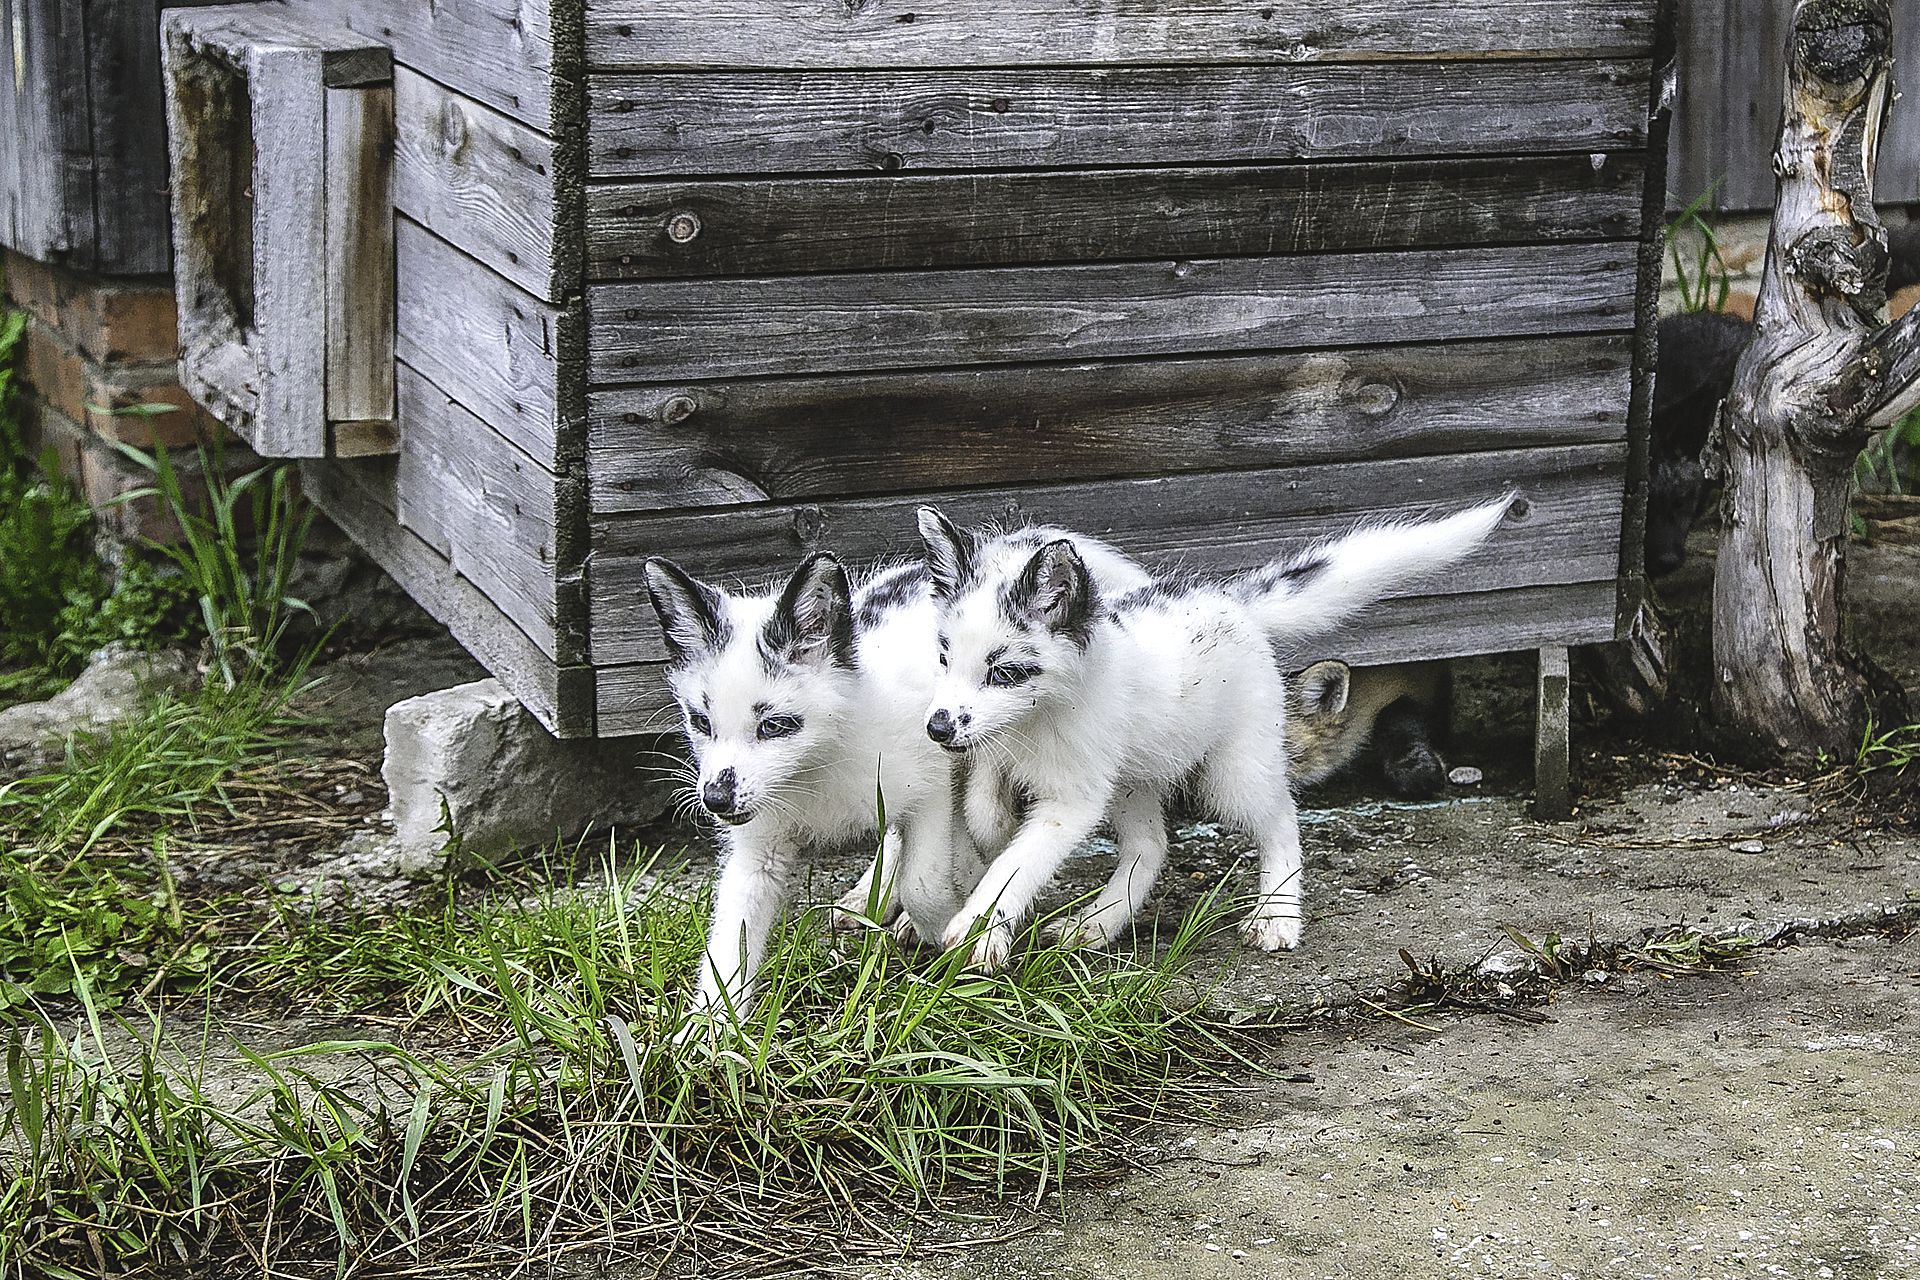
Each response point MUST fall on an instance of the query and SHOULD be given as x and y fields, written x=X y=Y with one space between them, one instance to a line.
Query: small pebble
x=1465 y=776
x=1749 y=846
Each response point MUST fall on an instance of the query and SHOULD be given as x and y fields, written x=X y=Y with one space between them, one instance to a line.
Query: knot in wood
x=1376 y=399
x=1519 y=509
x=808 y=522
x=453 y=131
x=683 y=226
x=1829 y=261
x=677 y=409
x=1842 y=41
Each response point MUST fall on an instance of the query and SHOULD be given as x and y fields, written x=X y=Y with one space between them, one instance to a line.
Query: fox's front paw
x=989 y=951
x=1272 y=932
x=992 y=949
x=849 y=914
x=905 y=932
x=1090 y=930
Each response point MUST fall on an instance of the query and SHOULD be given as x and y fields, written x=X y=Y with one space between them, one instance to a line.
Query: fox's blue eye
x=1008 y=674
x=778 y=727
x=701 y=725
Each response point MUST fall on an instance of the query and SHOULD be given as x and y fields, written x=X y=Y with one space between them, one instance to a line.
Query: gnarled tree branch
x=1817 y=374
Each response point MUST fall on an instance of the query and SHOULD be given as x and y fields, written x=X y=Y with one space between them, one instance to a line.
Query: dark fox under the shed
x=1335 y=712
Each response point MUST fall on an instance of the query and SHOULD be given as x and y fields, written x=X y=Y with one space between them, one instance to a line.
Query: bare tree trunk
x=1818 y=374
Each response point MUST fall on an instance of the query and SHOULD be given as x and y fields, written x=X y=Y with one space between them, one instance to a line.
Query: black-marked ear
x=1056 y=589
x=1320 y=692
x=950 y=552
x=691 y=612
x=813 y=621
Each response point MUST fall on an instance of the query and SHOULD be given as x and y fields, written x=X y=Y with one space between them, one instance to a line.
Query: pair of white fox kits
x=1010 y=694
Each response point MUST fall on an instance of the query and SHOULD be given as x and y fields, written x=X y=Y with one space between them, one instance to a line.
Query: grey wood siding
x=714 y=444
x=1207 y=280
x=787 y=122
x=922 y=33
x=1732 y=64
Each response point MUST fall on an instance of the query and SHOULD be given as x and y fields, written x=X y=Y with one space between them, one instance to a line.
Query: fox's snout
x=721 y=796
x=945 y=728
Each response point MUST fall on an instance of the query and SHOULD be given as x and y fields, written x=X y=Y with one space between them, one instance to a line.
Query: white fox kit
x=1099 y=704
x=797 y=704
x=1335 y=712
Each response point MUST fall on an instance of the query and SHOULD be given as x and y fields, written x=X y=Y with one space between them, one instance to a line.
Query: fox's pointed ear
x=950 y=552
x=691 y=613
x=813 y=622
x=1320 y=692
x=1056 y=588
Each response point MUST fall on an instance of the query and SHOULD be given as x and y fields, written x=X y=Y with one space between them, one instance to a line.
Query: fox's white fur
x=799 y=700
x=1098 y=704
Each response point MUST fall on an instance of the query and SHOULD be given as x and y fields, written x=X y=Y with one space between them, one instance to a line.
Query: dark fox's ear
x=1056 y=589
x=1320 y=692
x=691 y=616
x=813 y=622
x=950 y=552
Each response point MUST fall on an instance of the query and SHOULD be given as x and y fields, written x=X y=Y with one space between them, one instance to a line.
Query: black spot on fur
x=896 y=587
x=1282 y=575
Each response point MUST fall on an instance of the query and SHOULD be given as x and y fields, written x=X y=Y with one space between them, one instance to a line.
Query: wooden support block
x=1552 y=751
x=282 y=153
x=359 y=247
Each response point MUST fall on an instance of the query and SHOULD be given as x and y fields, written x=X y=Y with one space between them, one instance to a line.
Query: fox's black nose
x=718 y=794
x=940 y=726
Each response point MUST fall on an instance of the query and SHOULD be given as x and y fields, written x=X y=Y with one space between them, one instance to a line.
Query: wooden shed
x=730 y=284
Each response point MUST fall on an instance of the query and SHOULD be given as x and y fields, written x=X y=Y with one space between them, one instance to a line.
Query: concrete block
x=505 y=781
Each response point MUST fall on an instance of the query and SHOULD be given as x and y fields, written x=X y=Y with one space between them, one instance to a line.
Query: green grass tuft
x=570 y=1112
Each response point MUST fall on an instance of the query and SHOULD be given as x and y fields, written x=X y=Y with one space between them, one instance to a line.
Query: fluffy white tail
x=1315 y=590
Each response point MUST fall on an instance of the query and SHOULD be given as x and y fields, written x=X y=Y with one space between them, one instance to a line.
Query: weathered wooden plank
x=485 y=182
x=853 y=322
x=494 y=347
x=1217 y=523
x=717 y=444
x=49 y=184
x=635 y=699
x=920 y=33
x=128 y=137
x=289 y=256
x=779 y=226
x=484 y=506
x=359 y=497
x=505 y=53
x=359 y=240
x=973 y=118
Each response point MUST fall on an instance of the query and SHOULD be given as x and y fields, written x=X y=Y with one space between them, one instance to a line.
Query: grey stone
x=471 y=759
x=109 y=691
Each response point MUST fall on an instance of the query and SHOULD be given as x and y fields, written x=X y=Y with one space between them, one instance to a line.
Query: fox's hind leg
x=1247 y=785
x=1140 y=832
